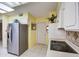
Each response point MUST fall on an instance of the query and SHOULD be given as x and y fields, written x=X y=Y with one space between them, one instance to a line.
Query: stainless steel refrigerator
x=17 y=38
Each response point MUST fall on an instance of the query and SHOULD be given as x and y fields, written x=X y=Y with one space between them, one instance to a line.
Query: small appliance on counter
x=17 y=38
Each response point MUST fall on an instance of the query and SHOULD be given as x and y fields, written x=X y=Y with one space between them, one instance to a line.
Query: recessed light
x=5 y=7
x=1 y=11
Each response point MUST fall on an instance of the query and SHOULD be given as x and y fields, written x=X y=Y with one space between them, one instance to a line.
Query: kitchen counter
x=53 y=53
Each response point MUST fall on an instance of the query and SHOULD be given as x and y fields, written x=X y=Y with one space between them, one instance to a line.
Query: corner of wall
x=4 y=27
x=32 y=33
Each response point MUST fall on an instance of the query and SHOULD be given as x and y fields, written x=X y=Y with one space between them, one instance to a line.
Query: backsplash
x=73 y=37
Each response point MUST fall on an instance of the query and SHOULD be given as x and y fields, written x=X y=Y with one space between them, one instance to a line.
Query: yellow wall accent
x=41 y=20
x=52 y=12
x=32 y=33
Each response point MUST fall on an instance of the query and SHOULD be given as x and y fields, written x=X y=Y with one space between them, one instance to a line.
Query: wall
x=0 y=17
x=41 y=20
x=0 y=31
x=58 y=7
x=32 y=33
x=54 y=32
x=73 y=37
x=23 y=19
x=0 y=27
x=52 y=12
x=4 y=28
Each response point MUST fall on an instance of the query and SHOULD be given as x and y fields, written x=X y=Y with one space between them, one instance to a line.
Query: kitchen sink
x=61 y=46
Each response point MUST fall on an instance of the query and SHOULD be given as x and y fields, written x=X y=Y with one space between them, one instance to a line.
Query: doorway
x=0 y=33
x=41 y=32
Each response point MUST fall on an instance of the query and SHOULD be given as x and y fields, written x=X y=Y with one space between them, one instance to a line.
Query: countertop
x=52 y=53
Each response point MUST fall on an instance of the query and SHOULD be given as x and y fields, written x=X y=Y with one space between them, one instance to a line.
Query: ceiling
x=37 y=9
x=13 y=4
x=9 y=6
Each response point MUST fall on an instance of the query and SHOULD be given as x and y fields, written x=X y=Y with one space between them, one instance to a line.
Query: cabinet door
x=69 y=14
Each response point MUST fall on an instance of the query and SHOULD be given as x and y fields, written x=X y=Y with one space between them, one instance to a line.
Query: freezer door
x=13 y=41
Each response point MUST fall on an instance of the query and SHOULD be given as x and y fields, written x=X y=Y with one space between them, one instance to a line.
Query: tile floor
x=39 y=50
x=3 y=51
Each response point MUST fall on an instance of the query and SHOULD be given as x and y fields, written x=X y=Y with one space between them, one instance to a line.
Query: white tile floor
x=39 y=50
x=3 y=52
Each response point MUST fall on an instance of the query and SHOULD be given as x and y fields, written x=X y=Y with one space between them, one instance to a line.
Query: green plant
x=52 y=19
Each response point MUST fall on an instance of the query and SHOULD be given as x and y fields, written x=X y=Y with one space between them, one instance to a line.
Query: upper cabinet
x=68 y=16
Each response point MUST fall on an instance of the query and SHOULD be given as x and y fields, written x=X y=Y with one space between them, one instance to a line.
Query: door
x=41 y=33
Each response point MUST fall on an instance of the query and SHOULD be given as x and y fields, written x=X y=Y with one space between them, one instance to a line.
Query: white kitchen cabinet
x=68 y=16
x=71 y=16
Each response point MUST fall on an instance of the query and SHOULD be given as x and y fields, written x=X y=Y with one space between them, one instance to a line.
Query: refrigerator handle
x=11 y=34
x=8 y=35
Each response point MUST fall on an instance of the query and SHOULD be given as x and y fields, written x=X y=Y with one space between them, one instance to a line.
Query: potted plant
x=52 y=19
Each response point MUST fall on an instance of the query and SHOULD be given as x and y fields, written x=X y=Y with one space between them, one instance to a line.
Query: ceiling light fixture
x=17 y=3
x=24 y=2
x=1 y=11
x=5 y=7
x=11 y=4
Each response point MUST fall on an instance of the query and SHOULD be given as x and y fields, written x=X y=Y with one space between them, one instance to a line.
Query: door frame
x=37 y=32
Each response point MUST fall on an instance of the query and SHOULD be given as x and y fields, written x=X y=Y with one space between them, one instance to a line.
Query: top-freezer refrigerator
x=17 y=38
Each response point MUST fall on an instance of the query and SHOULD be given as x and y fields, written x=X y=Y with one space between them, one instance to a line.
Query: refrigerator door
x=9 y=36
x=13 y=40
